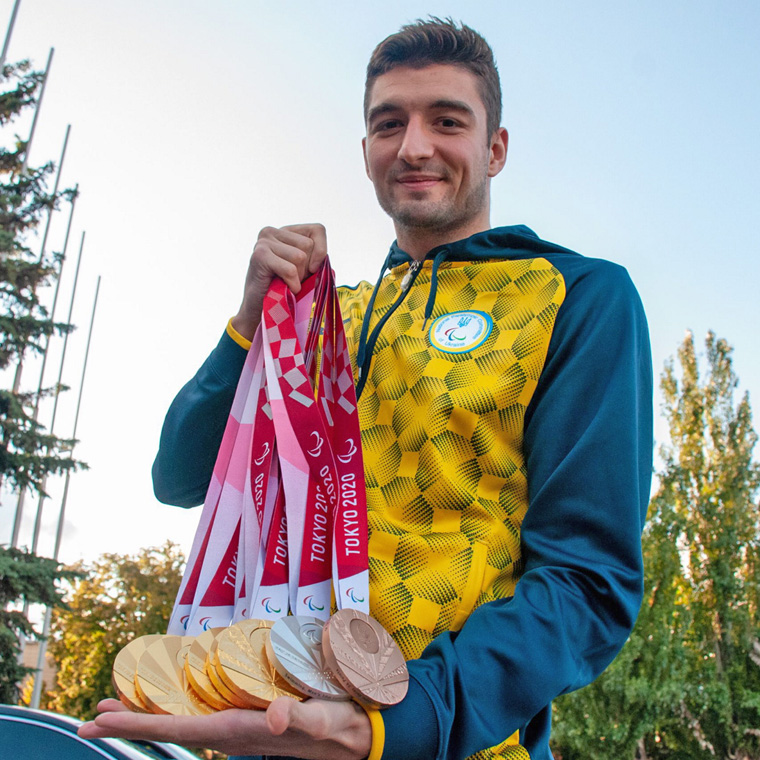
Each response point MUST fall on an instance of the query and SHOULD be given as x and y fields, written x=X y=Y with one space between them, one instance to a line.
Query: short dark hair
x=436 y=40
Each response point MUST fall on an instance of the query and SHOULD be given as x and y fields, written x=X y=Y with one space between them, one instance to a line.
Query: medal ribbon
x=350 y=532
x=285 y=512
x=207 y=592
x=278 y=566
x=308 y=469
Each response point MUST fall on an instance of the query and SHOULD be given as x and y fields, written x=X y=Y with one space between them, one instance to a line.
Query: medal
x=365 y=659
x=161 y=681
x=195 y=670
x=294 y=648
x=242 y=664
x=124 y=669
x=284 y=524
x=218 y=683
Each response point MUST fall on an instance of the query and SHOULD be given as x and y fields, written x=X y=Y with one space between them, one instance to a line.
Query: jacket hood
x=499 y=242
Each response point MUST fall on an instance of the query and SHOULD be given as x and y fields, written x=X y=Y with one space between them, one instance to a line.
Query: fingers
x=125 y=725
x=111 y=705
x=315 y=729
x=195 y=731
x=318 y=234
x=291 y=253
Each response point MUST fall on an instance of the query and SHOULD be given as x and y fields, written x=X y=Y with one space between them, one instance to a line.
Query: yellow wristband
x=378 y=733
x=237 y=337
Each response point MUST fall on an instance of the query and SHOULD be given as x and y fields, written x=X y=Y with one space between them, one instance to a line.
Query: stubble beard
x=440 y=217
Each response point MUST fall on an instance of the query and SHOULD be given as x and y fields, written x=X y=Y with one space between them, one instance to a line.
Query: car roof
x=42 y=715
x=70 y=725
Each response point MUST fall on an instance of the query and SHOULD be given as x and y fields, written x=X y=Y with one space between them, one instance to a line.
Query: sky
x=633 y=137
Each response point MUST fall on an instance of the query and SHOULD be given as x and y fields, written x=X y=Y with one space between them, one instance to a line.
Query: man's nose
x=417 y=144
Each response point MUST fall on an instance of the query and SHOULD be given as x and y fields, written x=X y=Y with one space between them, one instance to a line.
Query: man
x=504 y=389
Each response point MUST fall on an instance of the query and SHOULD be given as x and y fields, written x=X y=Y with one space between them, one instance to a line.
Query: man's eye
x=448 y=122
x=389 y=124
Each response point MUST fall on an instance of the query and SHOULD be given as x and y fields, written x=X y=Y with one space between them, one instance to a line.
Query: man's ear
x=364 y=153
x=498 y=151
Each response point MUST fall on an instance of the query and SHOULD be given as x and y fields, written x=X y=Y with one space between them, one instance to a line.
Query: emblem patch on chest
x=460 y=331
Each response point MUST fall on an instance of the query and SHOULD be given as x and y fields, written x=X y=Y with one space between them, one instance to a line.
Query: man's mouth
x=419 y=181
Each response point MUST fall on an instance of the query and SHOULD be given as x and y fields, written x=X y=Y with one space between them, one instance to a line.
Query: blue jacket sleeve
x=588 y=447
x=194 y=426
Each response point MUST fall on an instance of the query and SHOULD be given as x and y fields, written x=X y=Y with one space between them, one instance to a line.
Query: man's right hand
x=291 y=253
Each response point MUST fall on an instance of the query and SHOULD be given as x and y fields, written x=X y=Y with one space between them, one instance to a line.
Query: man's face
x=428 y=153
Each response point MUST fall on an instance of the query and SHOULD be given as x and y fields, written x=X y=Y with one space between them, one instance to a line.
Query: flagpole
x=56 y=396
x=20 y=365
x=37 y=691
x=55 y=193
x=8 y=34
x=22 y=492
x=55 y=298
x=37 y=108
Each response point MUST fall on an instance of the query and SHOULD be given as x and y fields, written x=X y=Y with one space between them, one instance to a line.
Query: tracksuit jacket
x=505 y=401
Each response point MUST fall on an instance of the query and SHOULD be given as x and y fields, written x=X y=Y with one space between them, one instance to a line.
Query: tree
x=24 y=578
x=687 y=683
x=118 y=598
x=27 y=452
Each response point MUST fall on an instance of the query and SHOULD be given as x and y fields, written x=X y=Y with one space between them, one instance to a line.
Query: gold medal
x=195 y=670
x=124 y=668
x=242 y=664
x=219 y=685
x=161 y=680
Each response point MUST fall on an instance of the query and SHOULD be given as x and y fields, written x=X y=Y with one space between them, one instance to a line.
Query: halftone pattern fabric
x=442 y=435
x=502 y=752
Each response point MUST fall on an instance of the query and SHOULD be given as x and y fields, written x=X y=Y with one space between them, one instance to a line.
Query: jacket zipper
x=406 y=284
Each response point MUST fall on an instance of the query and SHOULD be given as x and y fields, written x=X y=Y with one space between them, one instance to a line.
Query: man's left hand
x=315 y=729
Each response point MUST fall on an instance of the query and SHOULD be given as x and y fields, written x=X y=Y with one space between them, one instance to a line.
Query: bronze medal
x=124 y=669
x=294 y=648
x=365 y=659
x=161 y=680
x=242 y=664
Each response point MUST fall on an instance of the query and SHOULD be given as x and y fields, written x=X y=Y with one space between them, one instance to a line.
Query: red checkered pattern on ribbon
x=285 y=512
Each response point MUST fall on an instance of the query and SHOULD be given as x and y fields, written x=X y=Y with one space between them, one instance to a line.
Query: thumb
x=285 y=714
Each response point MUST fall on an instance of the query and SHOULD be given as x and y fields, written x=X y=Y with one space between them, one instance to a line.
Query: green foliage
x=24 y=579
x=119 y=598
x=30 y=453
x=27 y=453
x=687 y=683
x=22 y=94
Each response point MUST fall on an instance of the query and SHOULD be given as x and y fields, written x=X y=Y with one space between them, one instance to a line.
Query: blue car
x=27 y=734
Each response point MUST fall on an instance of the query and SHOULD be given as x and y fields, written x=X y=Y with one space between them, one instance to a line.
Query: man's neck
x=417 y=242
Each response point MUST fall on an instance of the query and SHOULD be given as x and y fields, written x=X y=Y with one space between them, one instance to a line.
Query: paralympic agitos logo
x=265 y=602
x=311 y=605
x=258 y=462
x=349 y=455
x=319 y=442
x=204 y=622
x=460 y=331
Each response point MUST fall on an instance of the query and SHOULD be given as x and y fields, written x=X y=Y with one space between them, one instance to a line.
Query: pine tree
x=24 y=578
x=27 y=452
